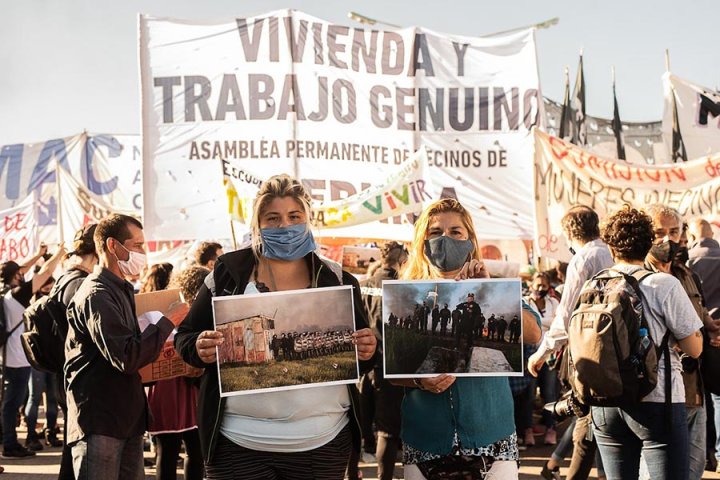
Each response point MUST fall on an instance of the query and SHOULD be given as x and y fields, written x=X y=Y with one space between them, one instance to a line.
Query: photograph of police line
x=467 y=328
x=285 y=340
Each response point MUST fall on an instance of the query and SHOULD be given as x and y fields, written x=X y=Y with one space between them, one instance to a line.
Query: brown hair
x=629 y=234
x=158 y=278
x=114 y=226
x=581 y=223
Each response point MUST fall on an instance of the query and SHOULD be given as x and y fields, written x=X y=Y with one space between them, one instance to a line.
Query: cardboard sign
x=168 y=364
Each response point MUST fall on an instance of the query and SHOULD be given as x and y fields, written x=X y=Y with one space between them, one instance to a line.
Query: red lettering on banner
x=558 y=148
x=647 y=173
x=14 y=223
x=548 y=242
x=712 y=170
x=14 y=249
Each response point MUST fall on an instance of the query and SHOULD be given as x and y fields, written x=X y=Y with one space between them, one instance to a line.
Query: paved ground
x=45 y=465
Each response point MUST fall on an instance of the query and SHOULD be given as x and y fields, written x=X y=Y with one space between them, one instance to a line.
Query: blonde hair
x=418 y=266
x=282 y=185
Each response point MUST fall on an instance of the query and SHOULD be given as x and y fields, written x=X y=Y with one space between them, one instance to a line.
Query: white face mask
x=134 y=264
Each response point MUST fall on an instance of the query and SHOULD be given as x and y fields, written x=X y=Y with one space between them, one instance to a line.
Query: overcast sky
x=72 y=65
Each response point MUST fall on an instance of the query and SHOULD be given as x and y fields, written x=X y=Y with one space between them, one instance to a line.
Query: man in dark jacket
x=105 y=348
x=444 y=319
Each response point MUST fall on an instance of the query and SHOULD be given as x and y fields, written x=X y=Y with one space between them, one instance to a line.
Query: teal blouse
x=479 y=409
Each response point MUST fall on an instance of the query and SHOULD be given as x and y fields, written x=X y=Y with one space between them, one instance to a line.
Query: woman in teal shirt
x=463 y=425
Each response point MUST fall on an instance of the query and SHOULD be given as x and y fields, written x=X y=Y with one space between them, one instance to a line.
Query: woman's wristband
x=418 y=383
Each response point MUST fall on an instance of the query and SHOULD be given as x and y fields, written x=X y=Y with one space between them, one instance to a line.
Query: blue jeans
x=697 y=425
x=108 y=458
x=549 y=386
x=16 y=387
x=624 y=434
x=42 y=382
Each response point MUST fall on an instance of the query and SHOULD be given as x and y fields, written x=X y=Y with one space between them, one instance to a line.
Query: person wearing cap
x=16 y=368
x=470 y=314
x=79 y=262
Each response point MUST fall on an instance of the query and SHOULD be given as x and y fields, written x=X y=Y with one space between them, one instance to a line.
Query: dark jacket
x=104 y=351
x=231 y=275
x=705 y=262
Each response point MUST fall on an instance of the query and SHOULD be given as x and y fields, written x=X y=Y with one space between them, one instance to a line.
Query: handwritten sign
x=19 y=232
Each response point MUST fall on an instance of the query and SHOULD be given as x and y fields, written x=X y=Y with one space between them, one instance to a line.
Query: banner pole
x=232 y=231
x=61 y=236
x=667 y=60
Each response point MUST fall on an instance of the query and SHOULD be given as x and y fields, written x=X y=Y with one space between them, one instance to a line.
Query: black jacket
x=104 y=351
x=231 y=275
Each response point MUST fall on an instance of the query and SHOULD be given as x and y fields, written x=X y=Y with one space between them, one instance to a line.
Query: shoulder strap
x=642 y=274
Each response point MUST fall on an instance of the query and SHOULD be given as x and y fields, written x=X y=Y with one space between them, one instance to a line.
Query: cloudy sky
x=312 y=309
x=498 y=296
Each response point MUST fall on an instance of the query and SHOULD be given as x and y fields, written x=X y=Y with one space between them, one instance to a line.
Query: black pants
x=168 y=450
x=233 y=462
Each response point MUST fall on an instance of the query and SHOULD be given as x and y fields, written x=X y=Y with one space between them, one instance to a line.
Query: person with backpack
x=581 y=229
x=655 y=425
x=303 y=433
x=16 y=368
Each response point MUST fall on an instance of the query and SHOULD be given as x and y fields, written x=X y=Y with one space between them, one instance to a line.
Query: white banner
x=19 y=240
x=337 y=107
x=566 y=175
x=78 y=206
x=698 y=110
x=106 y=165
x=404 y=191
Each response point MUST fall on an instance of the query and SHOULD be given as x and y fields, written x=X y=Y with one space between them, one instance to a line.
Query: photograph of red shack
x=247 y=340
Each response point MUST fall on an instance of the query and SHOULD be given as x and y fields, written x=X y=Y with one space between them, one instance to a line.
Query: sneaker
x=529 y=437
x=51 y=439
x=550 y=437
x=548 y=474
x=18 y=451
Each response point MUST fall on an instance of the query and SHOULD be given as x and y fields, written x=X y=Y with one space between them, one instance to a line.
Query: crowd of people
x=465 y=320
x=444 y=427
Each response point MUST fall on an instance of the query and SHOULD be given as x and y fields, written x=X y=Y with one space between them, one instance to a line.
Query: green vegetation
x=235 y=377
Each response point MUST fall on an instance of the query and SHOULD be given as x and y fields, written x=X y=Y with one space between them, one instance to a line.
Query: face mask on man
x=448 y=254
x=682 y=255
x=540 y=293
x=666 y=251
x=287 y=243
x=134 y=264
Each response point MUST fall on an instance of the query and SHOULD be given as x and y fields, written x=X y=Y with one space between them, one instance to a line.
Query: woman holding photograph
x=457 y=427
x=306 y=433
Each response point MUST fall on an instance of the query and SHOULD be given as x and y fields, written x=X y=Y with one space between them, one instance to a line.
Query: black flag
x=579 y=136
x=617 y=128
x=678 y=146
x=566 y=115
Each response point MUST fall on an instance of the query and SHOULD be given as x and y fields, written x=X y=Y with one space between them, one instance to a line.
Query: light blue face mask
x=446 y=253
x=287 y=243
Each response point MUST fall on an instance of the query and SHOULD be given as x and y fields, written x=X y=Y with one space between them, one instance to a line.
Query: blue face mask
x=446 y=253
x=287 y=243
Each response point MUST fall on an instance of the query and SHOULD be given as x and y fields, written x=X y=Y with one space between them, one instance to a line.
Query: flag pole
x=61 y=233
x=613 y=75
x=667 y=60
x=232 y=231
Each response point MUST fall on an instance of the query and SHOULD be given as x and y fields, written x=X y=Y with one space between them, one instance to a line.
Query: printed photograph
x=286 y=340
x=467 y=328
x=356 y=260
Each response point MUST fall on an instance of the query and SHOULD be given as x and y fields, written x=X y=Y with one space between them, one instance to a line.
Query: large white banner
x=337 y=107
x=108 y=166
x=19 y=238
x=698 y=110
x=566 y=175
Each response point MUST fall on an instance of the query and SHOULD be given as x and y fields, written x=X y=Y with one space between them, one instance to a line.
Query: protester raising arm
x=48 y=267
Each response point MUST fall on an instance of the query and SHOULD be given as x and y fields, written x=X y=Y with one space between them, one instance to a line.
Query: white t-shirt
x=14 y=353
x=292 y=421
x=666 y=306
